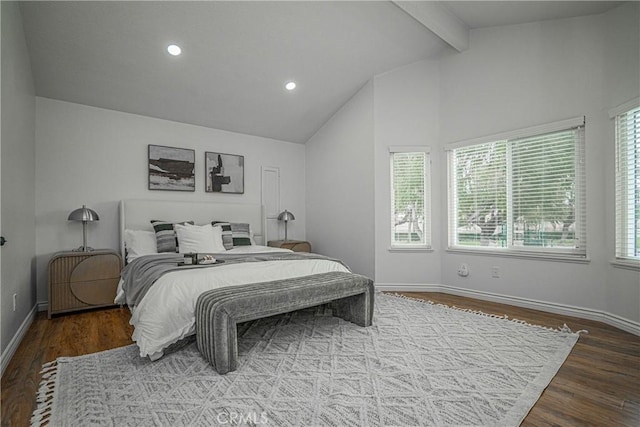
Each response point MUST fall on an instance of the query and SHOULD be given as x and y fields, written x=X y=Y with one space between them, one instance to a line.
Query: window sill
x=523 y=255
x=410 y=249
x=626 y=264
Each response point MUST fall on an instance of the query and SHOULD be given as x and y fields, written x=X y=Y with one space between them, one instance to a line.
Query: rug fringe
x=564 y=328
x=44 y=398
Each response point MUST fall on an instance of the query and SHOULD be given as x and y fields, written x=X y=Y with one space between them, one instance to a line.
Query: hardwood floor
x=65 y=335
x=599 y=384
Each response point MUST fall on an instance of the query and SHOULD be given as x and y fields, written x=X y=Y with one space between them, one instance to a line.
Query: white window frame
x=557 y=254
x=623 y=176
x=427 y=245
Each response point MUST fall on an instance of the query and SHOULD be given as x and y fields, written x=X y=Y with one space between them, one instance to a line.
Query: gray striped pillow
x=240 y=233
x=166 y=238
x=227 y=236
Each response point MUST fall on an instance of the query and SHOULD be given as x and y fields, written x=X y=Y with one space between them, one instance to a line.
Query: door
x=270 y=201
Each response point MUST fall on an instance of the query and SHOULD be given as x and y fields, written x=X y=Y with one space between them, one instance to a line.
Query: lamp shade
x=286 y=216
x=83 y=214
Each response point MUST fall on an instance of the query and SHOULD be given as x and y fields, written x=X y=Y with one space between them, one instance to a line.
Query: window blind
x=627 y=185
x=410 y=198
x=521 y=194
x=547 y=183
x=479 y=194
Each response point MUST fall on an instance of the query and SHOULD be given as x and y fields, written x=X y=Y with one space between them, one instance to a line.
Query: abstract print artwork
x=171 y=168
x=224 y=173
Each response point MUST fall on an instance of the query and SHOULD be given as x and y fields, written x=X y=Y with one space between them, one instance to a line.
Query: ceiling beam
x=439 y=20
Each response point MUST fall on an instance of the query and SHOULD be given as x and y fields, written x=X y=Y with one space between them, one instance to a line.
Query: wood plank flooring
x=599 y=384
x=64 y=335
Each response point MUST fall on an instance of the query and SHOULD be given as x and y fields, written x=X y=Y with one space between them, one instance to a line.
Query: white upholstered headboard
x=136 y=214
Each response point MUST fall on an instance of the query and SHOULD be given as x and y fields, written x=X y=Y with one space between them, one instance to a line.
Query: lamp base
x=83 y=249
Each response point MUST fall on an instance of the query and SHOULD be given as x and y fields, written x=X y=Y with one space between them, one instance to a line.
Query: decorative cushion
x=225 y=231
x=234 y=233
x=199 y=238
x=139 y=242
x=166 y=239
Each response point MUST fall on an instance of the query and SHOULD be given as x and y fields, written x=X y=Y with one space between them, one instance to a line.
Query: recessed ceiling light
x=174 y=49
x=290 y=85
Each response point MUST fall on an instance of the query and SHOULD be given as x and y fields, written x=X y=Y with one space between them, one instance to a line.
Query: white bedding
x=166 y=314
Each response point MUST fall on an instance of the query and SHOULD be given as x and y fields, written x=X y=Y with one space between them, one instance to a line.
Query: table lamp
x=85 y=215
x=286 y=216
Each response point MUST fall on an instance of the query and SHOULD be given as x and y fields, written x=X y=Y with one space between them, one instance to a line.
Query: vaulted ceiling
x=237 y=56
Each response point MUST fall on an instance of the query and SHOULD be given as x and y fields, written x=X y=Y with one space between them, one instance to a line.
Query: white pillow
x=199 y=238
x=139 y=242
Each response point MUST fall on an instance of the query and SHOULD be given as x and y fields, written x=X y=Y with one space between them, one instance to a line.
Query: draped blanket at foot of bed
x=351 y=297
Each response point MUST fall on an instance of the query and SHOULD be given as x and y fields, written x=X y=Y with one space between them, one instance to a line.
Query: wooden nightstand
x=294 y=245
x=83 y=280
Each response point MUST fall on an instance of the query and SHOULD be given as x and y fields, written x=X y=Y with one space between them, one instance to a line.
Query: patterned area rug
x=419 y=364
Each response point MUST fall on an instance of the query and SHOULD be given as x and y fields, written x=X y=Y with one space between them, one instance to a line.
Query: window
x=628 y=185
x=410 y=198
x=523 y=191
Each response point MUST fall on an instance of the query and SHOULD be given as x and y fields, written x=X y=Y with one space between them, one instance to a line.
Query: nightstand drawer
x=294 y=245
x=82 y=280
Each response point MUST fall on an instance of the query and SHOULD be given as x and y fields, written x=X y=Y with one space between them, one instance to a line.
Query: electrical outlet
x=15 y=297
x=463 y=270
x=495 y=272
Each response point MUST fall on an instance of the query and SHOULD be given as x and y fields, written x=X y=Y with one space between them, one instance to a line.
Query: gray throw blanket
x=139 y=275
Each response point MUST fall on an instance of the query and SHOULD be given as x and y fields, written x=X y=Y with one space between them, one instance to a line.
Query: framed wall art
x=171 y=168
x=224 y=173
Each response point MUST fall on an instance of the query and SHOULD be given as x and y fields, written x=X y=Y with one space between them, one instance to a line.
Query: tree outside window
x=410 y=214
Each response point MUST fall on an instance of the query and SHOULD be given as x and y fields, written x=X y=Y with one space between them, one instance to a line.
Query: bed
x=166 y=312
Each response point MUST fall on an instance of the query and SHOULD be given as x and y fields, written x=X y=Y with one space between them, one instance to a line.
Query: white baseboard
x=43 y=305
x=8 y=352
x=614 y=320
x=408 y=287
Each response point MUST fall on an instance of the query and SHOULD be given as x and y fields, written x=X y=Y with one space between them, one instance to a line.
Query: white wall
x=18 y=176
x=621 y=84
x=518 y=76
x=340 y=189
x=406 y=105
x=512 y=77
x=92 y=156
x=622 y=54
